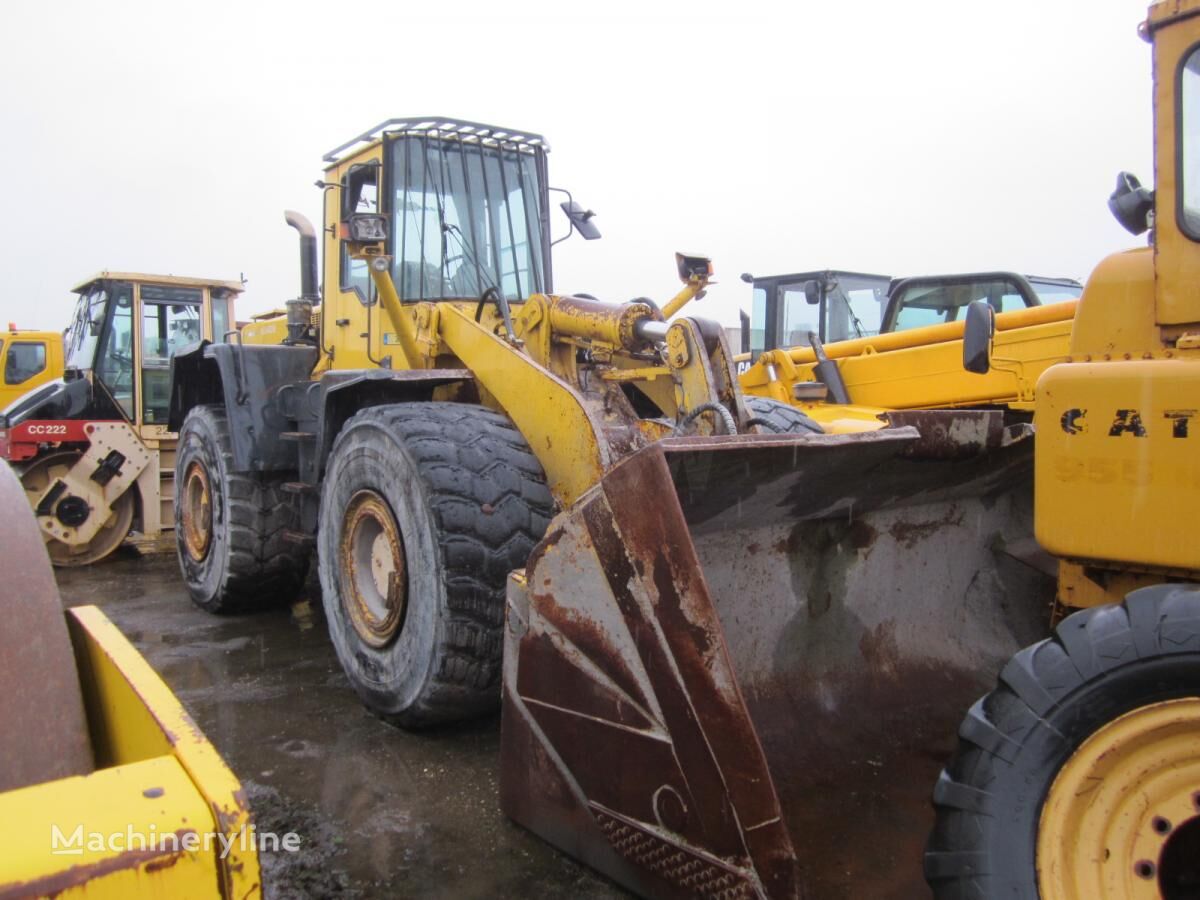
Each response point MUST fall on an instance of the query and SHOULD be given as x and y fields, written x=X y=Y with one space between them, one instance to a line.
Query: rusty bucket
x=736 y=666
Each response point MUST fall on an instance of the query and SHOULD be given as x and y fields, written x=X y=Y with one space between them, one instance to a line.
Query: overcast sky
x=894 y=137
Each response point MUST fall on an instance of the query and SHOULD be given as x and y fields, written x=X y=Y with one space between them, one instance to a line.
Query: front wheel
x=425 y=509
x=231 y=528
x=1079 y=776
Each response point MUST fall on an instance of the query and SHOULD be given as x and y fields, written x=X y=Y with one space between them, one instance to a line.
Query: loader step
x=298 y=487
x=297 y=436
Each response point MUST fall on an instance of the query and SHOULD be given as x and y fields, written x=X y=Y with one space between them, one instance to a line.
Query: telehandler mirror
x=812 y=292
x=978 y=330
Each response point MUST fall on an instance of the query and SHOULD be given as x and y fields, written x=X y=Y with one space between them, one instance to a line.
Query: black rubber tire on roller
x=249 y=564
x=779 y=418
x=470 y=502
x=1100 y=664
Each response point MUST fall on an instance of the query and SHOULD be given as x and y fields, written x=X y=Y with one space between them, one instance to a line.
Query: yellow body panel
x=1117 y=469
x=120 y=832
x=52 y=342
x=155 y=770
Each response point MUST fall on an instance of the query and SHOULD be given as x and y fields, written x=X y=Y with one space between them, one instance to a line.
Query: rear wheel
x=230 y=527
x=70 y=511
x=1078 y=777
x=779 y=418
x=426 y=508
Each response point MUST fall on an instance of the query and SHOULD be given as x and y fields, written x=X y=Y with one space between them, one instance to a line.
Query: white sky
x=895 y=137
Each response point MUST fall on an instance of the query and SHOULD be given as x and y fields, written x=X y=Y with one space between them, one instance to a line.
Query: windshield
x=85 y=328
x=466 y=216
x=1056 y=291
x=918 y=305
x=854 y=307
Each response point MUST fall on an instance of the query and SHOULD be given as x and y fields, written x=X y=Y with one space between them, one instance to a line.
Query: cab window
x=114 y=366
x=170 y=322
x=1189 y=146
x=25 y=359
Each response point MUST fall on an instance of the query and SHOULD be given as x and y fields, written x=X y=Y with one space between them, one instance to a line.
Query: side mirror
x=582 y=219
x=812 y=292
x=1131 y=204
x=977 y=337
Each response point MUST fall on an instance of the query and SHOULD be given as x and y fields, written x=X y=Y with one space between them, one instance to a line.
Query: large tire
x=230 y=527
x=426 y=508
x=1100 y=665
x=779 y=418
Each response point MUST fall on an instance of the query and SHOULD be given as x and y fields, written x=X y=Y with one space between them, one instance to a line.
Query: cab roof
x=443 y=126
x=235 y=286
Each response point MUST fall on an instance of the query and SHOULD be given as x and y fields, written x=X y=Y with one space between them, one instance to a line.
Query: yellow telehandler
x=903 y=350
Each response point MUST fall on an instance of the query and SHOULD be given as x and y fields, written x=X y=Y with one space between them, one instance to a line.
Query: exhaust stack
x=308 y=254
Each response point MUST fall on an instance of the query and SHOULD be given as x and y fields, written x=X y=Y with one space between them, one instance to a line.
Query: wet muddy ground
x=380 y=812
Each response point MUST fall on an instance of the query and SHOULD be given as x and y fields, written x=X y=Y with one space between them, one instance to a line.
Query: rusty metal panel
x=738 y=662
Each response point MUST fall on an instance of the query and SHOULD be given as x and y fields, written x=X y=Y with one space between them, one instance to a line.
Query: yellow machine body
x=920 y=368
x=157 y=778
x=28 y=359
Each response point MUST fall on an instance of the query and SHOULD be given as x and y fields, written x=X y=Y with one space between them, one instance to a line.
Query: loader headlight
x=366 y=228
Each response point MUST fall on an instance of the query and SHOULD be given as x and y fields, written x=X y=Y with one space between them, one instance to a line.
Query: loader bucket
x=735 y=667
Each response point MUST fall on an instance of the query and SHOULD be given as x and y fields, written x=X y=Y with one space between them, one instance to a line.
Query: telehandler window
x=1189 y=145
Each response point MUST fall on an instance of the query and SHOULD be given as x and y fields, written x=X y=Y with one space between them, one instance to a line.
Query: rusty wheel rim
x=196 y=515
x=373 y=568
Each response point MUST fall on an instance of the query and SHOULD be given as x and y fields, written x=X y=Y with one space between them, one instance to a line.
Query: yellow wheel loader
x=714 y=612
x=92 y=447
x=107 y=788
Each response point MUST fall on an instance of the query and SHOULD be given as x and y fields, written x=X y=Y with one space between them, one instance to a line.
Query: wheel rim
x=1118 y=806
x=62 y=552
x=196 y=514
x=374 y=570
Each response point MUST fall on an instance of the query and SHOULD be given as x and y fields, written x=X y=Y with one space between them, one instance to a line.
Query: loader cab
x=125 y=330
x=836 y=305
x=466 y=209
